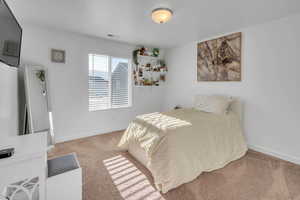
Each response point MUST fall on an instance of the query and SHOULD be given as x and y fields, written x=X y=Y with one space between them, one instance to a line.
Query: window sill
x=113 y=108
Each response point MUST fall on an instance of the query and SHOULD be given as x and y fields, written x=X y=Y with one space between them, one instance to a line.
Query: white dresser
x=23 y=176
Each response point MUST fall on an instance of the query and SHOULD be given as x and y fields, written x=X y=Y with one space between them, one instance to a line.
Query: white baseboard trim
x=80 y=135
x=275 y=154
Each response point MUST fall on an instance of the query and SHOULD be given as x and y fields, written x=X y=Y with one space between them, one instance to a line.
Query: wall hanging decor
x=220 y=59
x=58 y=56
x=40 y=74
x=149 y=69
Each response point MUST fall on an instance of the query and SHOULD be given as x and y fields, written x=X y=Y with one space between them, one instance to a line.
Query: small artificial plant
x=155 y=52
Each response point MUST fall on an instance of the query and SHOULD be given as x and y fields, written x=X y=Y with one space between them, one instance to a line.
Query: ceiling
x=130 y=20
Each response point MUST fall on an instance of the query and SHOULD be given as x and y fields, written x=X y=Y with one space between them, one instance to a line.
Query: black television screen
x=10 y=36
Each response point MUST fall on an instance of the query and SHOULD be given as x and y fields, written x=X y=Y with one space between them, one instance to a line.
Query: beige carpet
x=254 y=177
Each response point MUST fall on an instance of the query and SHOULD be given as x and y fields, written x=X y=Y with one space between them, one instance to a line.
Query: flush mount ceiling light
x=161 y=15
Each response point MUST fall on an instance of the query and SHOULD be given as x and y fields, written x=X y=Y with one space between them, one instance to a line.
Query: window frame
x=129 y=75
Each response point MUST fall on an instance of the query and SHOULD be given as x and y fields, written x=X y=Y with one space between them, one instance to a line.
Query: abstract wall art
x=220 y=59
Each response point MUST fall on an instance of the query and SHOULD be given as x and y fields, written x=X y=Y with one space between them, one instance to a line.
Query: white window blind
x=109 y=82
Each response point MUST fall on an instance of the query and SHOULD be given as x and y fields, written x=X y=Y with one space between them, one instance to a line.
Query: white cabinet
x=23 y=176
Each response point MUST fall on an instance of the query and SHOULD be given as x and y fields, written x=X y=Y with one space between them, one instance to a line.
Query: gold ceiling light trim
x=161 y=15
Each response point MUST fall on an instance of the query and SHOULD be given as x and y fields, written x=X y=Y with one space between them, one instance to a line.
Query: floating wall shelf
x=149 y=71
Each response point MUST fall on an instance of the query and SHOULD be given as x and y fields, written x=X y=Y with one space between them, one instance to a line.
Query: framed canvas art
x=58 y=56
x=220 y=59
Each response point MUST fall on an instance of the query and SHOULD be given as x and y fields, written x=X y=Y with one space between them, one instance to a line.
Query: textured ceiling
x=130 y=20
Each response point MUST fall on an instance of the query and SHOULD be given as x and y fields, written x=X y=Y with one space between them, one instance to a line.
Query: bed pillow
x=212 y=104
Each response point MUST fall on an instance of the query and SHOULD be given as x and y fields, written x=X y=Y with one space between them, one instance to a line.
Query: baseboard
x=80 y=135
x=275 y=154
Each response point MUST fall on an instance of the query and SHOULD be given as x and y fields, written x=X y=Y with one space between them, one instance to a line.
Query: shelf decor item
x=143 y=51
x=220 y=59
x=149 y=70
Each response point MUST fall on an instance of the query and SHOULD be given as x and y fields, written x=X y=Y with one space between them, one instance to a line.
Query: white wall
x=269 y=87
x=69 y=82
x=8 y=101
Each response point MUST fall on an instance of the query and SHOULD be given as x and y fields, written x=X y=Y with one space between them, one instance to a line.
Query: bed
x=177 y=146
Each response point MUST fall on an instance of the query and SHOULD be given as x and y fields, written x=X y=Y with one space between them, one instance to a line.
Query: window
x=109 y=82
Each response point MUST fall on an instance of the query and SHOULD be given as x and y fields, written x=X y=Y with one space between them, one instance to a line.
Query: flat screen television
x=10 y=36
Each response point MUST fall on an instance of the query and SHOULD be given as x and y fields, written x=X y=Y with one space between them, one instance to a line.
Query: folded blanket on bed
x=181 y=144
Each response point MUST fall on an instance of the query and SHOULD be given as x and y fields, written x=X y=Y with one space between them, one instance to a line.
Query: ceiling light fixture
x=161 y=15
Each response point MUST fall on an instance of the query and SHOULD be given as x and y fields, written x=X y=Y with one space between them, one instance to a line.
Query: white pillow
x=212 y=104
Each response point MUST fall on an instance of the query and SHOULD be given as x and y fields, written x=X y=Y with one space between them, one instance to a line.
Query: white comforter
x=183 y=143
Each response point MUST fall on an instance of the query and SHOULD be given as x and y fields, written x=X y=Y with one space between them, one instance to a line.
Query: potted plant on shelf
x=155 y=52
